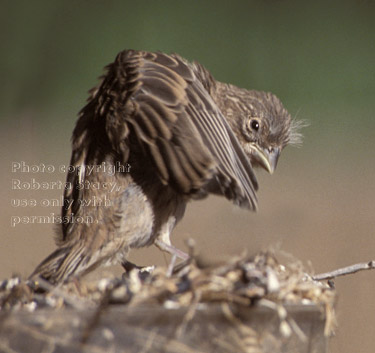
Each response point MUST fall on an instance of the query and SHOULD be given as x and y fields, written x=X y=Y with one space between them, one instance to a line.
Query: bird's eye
x=254 y=124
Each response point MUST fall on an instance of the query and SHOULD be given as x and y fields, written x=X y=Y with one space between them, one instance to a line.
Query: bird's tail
x=64 y=263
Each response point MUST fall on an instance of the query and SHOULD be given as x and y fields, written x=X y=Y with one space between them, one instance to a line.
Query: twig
x=70 y=299
x=345 y=271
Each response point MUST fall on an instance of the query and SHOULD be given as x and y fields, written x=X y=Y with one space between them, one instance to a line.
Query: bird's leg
x=169 y=248
x=163 y=240
x=171 y=265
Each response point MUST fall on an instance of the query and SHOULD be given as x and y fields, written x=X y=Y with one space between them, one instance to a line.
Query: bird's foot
x=176 y=253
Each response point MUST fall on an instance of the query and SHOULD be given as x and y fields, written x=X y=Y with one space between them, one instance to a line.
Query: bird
x=157 y=132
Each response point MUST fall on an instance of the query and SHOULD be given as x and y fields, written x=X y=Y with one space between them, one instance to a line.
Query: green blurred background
x=318 y=57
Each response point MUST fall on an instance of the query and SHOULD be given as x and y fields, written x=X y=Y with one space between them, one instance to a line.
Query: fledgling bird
x=181 y=134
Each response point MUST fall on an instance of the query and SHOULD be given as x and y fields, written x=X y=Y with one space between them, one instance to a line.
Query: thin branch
x=345 y=271
x=70 y=299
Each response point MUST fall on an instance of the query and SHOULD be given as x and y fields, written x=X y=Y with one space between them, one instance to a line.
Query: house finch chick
x=180 y=135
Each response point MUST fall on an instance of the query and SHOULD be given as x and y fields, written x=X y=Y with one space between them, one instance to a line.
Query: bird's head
x=261 y=123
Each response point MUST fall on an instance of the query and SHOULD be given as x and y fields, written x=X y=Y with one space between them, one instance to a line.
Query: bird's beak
x=266 y=157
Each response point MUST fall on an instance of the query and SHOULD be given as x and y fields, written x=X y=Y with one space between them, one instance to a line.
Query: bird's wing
x=181 y=129
x=157 y=101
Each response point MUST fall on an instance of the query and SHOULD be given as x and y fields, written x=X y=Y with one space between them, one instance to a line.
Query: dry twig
x=345 y=271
